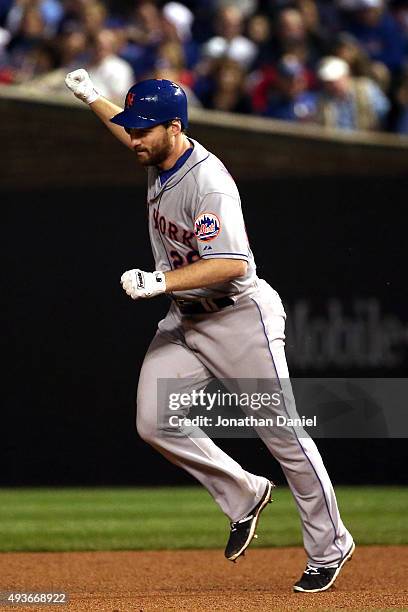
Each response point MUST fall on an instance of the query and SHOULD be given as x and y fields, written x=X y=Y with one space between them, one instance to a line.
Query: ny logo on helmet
x=129 y=99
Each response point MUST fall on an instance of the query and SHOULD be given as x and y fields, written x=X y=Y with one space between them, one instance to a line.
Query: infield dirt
x=375 y=579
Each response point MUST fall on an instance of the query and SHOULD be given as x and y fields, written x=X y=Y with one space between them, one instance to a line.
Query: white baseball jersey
x=197 y=213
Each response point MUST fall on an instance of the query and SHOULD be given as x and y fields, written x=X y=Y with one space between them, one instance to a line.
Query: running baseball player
x=223 y=322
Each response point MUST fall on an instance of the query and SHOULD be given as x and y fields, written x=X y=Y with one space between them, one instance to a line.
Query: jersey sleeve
x=219 y=228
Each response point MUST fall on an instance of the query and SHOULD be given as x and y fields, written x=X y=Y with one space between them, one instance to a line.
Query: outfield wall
x=58 y=142
x=323 y=214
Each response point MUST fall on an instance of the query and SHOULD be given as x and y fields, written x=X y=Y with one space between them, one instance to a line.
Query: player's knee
x=146 y=418
x=146 y=430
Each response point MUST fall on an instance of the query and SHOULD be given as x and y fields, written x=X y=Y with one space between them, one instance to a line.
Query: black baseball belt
x=205 y=305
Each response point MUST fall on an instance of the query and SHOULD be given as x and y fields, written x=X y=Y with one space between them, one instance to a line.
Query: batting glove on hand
x=79 y=82
x=139 y=284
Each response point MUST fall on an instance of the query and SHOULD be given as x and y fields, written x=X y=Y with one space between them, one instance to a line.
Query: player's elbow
x=238 y=268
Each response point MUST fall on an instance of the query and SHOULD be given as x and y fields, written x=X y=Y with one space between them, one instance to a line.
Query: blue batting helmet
x=152 y=102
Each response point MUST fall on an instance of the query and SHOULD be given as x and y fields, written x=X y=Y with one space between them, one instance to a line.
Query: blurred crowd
x=337 y=63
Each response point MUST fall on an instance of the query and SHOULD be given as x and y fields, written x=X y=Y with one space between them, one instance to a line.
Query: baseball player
x=223 y=322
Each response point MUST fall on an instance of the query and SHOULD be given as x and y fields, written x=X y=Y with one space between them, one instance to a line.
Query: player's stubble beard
x=157 y=153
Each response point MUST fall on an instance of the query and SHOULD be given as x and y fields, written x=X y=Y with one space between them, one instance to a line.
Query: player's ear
x=175 y=127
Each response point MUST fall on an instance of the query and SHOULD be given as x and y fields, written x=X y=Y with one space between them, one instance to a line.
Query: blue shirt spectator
x=290 y=100
x=378 y=33
x=301 y=108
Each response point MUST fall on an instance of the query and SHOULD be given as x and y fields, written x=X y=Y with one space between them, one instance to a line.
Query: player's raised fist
x=79 y=82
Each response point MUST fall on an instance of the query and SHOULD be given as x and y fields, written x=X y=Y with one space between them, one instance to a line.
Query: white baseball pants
x=241 y=341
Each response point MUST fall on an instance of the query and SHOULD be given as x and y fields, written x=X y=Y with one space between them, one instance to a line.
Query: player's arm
x=201 y=273
x=105 y=110
x=79 y=82
x=212 y=268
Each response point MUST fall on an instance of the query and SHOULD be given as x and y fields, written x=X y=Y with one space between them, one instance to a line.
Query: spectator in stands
x=93 y=17
x=171 y=71
x=228 y=93
x=311 y=16
x=247 y=8
x=39 y=61
x=259 y=31
x=170 y=65
x=265 y=80
x=111 y=75
x=230 y=42
x=51 y=13
x=141 y=38
x=72 y=48
x=30 y=34
x=170 y=57
x=347 y=48
x=28 y=30
x=348 y=103
x=293 y=38
x=377 y=32
x=317 y=33
x=181 y=18
x=146 y=25
x=177 y=24
x=290 y=99
x=400 y=14
x=89 y=16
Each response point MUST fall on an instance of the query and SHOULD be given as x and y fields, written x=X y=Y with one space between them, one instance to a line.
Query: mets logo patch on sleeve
x=207 y=227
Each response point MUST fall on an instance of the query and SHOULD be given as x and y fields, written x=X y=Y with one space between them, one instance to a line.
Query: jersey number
x=179 y=261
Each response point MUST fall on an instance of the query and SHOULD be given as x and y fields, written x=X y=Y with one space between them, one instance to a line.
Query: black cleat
x=316 y=579
x=243 y=531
